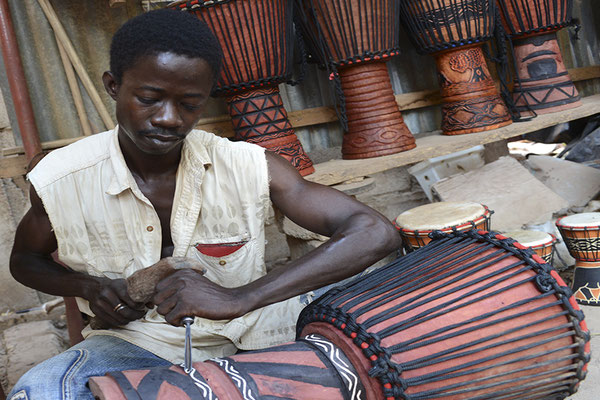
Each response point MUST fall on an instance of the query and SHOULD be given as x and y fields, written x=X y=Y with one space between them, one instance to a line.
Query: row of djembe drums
x=353 y=39
x=580 y=233
x=465 y=314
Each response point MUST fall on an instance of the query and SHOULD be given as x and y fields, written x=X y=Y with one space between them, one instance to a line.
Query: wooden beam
x=221 y=125
x=434 y=145
x=428 y=145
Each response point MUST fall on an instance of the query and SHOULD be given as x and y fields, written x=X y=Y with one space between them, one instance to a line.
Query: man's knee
x=55 y=378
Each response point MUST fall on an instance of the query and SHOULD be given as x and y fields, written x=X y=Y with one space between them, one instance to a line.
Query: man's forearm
x=359 y=243
x=44 y=274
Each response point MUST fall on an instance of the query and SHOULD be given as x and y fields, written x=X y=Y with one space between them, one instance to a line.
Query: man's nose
x=167 y=116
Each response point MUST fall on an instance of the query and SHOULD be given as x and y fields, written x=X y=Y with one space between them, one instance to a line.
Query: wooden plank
x=337 y=171
x=584 y=73
x=428 y=146
x=221 y=125
x=13 y=166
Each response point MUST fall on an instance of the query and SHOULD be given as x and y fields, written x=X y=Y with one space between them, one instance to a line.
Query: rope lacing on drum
x=270 y=75
x=358 y=297
x=500 y=39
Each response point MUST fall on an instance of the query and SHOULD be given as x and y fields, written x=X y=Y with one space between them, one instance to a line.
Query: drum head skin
x=440 y=215
x=583 y=220
x=530 y=238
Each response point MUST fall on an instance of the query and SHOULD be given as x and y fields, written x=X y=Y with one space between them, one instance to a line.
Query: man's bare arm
x=359 y=236
x=32 y=265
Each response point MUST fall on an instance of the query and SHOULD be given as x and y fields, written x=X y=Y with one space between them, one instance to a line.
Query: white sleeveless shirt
x=105 y=226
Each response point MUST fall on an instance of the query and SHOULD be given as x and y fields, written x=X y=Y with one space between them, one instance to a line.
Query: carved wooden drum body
x=310 y=368
x=540 y=242
x=544 y=84
x=416 y=224
x=453 y=31
x=356 y=37
x=470 y=316
x=581 y=234
x=256 y=37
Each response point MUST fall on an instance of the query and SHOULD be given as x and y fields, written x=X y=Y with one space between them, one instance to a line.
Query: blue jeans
x=65 y=376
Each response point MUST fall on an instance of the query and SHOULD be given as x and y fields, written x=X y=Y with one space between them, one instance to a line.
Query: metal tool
x=187 y=361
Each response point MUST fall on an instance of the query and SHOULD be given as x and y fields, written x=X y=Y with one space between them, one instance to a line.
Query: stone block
x=507 y=188
x=576 y=183
x=29 y=344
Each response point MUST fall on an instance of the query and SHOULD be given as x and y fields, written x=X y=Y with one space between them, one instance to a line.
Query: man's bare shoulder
x=76 y=156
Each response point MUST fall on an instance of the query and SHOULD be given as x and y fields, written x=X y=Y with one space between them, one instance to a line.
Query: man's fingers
x=131 y=314
x=167 y=305
x=166 y=288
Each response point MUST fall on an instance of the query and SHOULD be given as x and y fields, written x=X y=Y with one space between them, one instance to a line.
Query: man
x=153 y=188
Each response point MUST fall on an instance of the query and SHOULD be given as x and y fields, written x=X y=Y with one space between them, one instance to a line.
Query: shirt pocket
x=229 y=261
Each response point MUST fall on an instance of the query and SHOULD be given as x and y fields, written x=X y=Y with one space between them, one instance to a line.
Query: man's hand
x=111 y=303
x=188 y=293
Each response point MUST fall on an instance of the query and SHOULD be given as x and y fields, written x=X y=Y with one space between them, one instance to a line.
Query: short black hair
x=164 y=31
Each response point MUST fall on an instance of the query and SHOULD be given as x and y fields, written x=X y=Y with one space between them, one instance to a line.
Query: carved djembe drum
x=257 y=41
x=453 y=31
x=356 y=38
x=581 y=234
x=470 y=316
x=543 y=83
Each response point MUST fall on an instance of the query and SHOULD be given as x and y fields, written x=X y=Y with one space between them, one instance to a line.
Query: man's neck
x=148 y=166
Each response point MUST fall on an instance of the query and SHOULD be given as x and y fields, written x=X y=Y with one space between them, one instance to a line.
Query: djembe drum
x=540 y=242
x=543 y=83
x=453 y=31
x=470 y=316
x=416 y=224
x=356 y=38
x=581 y=234
x=256 y=37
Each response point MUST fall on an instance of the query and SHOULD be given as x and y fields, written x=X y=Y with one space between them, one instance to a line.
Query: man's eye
x=146 y=100
x=191 y=107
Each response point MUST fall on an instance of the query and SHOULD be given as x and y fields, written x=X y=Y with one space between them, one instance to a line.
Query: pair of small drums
x=416 y=224
x=580 y=232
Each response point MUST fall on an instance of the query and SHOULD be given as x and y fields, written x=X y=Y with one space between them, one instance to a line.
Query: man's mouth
x=163 y=137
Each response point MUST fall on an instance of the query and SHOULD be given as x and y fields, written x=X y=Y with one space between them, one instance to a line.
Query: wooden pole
x=18 y=84
x=60 y=32
x=74 y=87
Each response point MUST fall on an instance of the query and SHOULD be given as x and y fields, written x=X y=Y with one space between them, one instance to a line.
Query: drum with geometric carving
x=257 y=41
x=354 y=39
x=543 y=84
x=453 y=31
x=581 y=234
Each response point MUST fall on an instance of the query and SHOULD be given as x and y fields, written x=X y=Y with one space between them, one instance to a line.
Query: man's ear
x=110 y=84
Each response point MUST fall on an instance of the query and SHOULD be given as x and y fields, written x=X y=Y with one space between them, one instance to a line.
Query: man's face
x=160 y=99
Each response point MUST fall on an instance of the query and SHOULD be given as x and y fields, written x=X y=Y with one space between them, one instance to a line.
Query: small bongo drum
x=416 y=224
x=540 y=242
x=543 y=83
x=256 y=37
x=581 y=234
x=453 y=31
x=355 y=39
